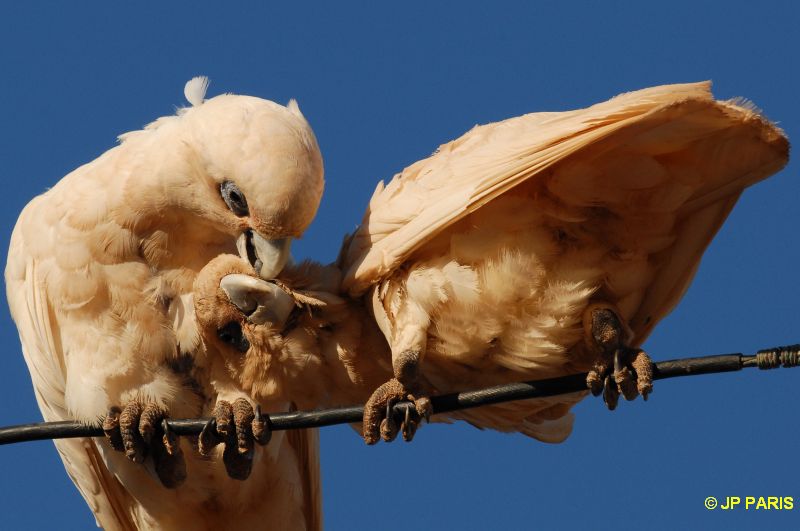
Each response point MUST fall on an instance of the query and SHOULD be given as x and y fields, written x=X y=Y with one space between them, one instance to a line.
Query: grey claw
x=617 y=361
x=610 y=393
x=409 y=425
x=208 y=437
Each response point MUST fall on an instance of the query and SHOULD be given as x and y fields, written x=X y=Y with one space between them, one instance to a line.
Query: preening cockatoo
x=539 y=246
x=99 y=281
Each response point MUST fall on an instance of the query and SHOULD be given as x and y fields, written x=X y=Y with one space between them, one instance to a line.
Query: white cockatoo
x=536 y=247
x=99 y=281
x=550 y=244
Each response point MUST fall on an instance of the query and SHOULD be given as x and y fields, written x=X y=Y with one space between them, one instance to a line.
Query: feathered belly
x=505 y=295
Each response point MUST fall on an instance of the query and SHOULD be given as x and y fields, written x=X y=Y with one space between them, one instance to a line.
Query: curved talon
x=141 y=431
x=610 y=393
x=209 y=438
x=617 y=360
x=169 y=438
x=410 y=424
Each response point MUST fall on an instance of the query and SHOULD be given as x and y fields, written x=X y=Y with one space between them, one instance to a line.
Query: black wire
x=441 y=403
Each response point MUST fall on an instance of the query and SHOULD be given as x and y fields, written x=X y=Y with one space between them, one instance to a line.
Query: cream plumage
x=511 y=253
x=535 y=247
x=552 y=243
x=99 y=280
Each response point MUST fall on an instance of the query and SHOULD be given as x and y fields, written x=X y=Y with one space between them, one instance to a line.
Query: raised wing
x=670 y=149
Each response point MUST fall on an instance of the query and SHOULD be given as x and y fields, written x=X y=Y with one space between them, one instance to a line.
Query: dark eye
x=234 y=198
x=231 y=334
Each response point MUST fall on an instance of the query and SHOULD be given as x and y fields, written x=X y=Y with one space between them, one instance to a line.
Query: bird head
x=292 y=338
x=240 y=318
x=239 y=166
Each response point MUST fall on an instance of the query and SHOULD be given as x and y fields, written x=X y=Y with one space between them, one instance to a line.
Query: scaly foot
x=139 y=430
x=237 y=426
x=618 y=368
x=379 y=419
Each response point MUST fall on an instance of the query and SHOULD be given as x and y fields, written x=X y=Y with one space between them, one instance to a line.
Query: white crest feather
x=294 y=108
x=195 y=90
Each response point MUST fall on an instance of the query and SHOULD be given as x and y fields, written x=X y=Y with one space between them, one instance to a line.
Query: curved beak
x=261 y=301
x=268 y=257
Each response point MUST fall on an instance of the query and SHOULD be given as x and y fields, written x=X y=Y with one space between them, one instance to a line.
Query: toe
x=223 y=414
x=389 y=427
x=132 y=441
x=626 y=383
x=374 y=426
x=219 y=429
x=594 y=382
x=261 y=429
x=373 y=420
x=111 y=429
x=243 y=417
x=424 y=408
x=595 y=379
x=643 y=366
x=150 y=420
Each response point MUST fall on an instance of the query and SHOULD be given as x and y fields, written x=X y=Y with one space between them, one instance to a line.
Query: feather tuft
x=294 y=108
x=195 y=90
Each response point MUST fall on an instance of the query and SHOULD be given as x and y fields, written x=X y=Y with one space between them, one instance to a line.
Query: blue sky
x=383 y=87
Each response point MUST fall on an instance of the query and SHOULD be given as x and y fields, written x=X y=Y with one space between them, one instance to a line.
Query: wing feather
x=110 y=503
x=669 y=161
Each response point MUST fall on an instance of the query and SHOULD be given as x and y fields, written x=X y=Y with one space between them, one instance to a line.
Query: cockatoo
x=99 y=281
x=550 y=244
x=536 y=247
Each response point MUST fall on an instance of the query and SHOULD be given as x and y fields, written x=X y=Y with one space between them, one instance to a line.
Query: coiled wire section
x=771 y=358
